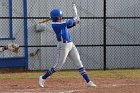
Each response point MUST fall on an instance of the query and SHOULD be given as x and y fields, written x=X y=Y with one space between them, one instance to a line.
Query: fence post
x=104 y=36
x=10 y=20
x=25 y=33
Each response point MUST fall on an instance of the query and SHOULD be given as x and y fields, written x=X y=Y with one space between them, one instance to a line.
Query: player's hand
x=78 y=20
x=13 y=47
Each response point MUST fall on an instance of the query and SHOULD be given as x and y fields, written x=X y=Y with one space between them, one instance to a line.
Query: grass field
x=128 y=73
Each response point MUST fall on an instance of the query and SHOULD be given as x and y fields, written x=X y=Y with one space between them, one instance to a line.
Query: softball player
x=65 y=46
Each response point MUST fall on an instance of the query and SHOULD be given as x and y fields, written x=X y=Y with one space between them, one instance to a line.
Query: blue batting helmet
x=56 y=13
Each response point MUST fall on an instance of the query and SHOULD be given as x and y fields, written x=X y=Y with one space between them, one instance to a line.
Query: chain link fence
x=107 y=37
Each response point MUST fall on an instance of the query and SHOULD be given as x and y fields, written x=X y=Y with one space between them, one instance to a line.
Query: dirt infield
x=70 y=85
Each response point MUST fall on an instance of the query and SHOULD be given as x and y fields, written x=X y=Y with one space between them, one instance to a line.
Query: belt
x=64 y=41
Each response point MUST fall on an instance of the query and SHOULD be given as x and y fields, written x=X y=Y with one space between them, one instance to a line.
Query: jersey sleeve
x=70 y=23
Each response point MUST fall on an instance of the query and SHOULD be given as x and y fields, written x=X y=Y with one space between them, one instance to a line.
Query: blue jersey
x=61 y=29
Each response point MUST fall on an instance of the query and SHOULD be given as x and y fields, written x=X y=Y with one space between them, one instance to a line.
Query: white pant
x=64 y=50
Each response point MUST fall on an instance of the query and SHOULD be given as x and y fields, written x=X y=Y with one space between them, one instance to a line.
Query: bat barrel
x=75 y=10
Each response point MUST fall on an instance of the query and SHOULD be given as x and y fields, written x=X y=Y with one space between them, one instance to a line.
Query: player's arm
x=72 y=22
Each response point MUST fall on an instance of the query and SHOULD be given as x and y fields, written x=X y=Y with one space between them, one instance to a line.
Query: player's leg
x=61 y=57
x=62 y=53
x=74 y=55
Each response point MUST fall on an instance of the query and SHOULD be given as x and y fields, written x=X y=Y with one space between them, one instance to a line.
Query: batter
x=65 y=46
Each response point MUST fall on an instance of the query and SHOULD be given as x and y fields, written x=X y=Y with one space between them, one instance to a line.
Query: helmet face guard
x=55 y=13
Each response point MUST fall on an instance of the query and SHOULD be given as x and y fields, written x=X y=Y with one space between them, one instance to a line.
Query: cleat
x=41 y=82
x=91 y=84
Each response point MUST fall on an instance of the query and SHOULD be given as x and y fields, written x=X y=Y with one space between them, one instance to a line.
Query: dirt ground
x=70 y=85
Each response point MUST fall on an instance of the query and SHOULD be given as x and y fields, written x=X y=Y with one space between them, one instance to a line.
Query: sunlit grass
x=129 y=73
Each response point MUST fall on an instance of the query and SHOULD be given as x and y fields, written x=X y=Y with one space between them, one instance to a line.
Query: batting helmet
x=56 y=13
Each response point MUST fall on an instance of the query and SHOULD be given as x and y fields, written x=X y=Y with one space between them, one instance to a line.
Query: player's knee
x=79 y=64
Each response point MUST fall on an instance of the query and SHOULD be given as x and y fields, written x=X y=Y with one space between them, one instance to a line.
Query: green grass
x=129 y=73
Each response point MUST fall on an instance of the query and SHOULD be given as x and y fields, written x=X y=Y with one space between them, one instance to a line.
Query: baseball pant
x=64 y=50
